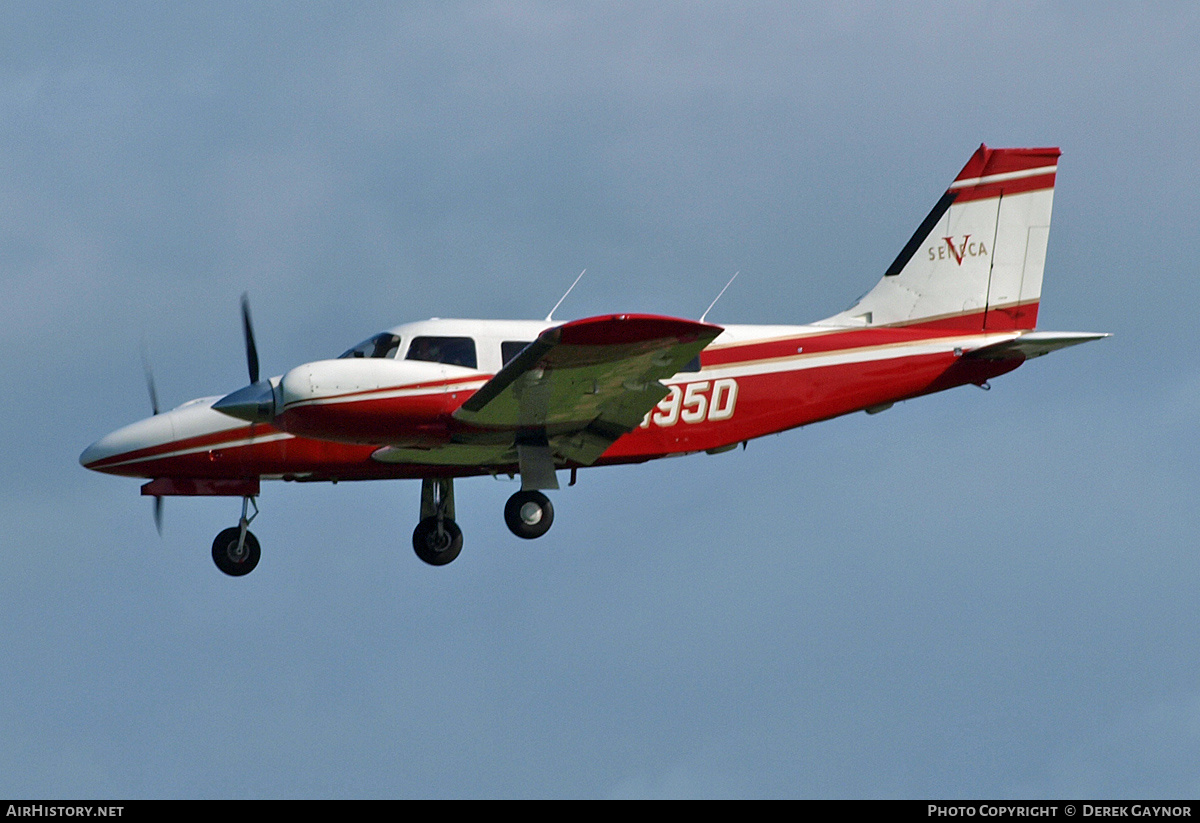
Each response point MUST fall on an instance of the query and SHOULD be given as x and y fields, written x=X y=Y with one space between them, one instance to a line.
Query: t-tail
x=975 y=262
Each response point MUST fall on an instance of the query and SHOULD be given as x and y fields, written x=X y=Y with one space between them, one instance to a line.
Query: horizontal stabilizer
x=1034 y=344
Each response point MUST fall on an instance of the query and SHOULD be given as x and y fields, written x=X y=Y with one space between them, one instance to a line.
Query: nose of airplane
x=115 y=452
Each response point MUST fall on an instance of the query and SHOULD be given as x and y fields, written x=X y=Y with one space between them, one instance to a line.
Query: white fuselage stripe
x=231 y=444
x=866 y=354
x=388 y=394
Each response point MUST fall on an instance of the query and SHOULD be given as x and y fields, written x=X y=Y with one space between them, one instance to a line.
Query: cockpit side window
x=511 y=348
x=453 y=351
x=381 y=345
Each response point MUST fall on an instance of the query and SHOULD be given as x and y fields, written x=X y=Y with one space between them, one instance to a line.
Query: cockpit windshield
x=381 y=345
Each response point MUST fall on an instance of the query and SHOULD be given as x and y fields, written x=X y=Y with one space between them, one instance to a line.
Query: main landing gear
x=236 y=550
x=529 y=514
x=438 y=540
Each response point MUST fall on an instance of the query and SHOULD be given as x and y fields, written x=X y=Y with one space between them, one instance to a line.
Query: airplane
x=440 y=399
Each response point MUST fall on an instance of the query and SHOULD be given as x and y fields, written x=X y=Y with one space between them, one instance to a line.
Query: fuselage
x=389 y=412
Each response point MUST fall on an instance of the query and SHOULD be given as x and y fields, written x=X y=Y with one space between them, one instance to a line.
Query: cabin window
x=453 y=351
x=692 y=365
x=381 y=345
x=511 y=348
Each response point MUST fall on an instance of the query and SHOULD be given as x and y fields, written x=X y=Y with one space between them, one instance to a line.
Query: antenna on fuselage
x=718 y=297
x=550 y=316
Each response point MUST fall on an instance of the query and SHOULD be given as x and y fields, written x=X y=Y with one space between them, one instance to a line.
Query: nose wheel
x=234 y=553
x=236 y=550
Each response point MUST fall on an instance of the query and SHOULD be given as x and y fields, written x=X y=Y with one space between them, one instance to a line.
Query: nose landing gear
x=236 y=550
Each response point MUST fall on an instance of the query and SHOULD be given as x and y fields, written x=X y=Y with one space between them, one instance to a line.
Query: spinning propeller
x=254 y=403
x=248 y=331
x=158 y=501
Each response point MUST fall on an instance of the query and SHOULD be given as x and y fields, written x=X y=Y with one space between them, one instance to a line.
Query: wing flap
x=449 y=454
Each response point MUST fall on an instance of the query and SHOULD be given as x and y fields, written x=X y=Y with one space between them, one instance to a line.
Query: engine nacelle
x=374 y=400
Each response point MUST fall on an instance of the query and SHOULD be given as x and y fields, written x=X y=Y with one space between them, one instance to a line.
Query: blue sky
x=972 y=595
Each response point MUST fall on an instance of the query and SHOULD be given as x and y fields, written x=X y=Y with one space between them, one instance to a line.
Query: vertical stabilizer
x=976 y=260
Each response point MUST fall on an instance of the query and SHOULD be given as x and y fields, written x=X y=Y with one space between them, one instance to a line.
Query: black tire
x=529 y=514
x=225 y=552
x=435 y=549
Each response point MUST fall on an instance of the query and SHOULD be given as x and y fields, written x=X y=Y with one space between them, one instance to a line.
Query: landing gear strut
x=437 y=539
x=236 y=550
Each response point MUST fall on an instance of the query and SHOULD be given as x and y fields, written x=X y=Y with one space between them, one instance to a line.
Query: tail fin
x=976 y=261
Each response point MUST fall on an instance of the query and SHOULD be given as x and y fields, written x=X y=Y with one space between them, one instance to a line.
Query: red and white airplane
x=442 y=399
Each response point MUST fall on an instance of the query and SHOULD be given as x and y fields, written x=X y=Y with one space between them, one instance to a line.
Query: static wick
x=718 y=297
x=550 y=316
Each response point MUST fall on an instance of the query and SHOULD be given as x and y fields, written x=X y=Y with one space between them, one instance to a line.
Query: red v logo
x=958 y=253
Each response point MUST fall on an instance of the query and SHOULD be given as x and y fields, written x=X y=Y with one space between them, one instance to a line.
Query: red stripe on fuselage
x=1024 y=315
x=210 y=441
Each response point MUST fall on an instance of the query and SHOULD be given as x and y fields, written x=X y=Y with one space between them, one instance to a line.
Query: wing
x=582 y=385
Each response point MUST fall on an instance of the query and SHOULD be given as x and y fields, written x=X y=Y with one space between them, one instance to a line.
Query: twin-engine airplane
x=442 y=399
